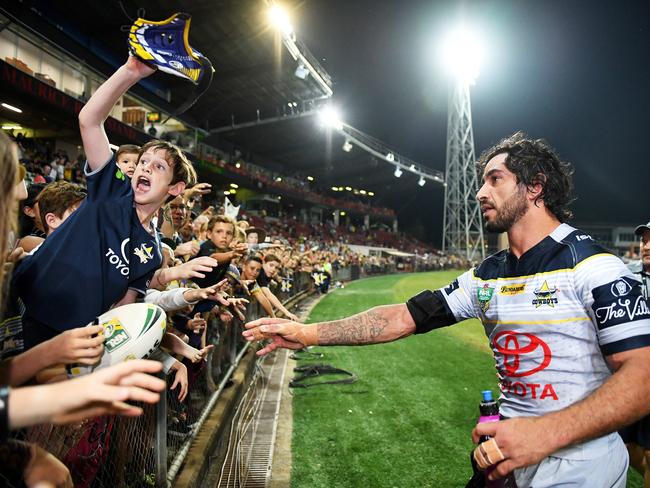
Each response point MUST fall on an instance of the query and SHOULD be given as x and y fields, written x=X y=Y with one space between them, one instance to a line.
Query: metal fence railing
x=149 y=451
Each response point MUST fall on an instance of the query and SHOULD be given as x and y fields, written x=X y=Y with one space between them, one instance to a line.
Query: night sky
x=573 y=72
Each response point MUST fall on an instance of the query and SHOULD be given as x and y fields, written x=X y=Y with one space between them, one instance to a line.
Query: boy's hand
x=196 y=324
x=189 y=248
x=181 y=380
x=200 y=355
x=139 y=68
x=194 y=268
x=76 y=346
x=239 y=249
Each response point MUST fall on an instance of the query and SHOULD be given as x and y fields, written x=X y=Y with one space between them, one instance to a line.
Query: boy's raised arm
x=95 y=112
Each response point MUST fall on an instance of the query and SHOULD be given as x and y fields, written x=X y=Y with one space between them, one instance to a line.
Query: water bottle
x=489 y=409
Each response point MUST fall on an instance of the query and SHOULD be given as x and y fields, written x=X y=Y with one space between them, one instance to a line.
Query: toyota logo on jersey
x=523 y=355
x=515 y=346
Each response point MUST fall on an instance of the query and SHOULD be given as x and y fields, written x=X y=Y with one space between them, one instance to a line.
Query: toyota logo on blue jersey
x=120 y=263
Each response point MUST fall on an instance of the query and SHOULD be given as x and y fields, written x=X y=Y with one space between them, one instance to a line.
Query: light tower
x=462 y=225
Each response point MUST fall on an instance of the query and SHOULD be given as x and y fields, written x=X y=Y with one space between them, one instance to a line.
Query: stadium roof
x=254 y=72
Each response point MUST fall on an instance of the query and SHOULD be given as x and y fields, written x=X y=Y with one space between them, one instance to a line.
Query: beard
x=513 y=209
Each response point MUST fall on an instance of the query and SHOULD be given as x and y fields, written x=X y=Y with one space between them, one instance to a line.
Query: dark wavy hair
x=534 y=161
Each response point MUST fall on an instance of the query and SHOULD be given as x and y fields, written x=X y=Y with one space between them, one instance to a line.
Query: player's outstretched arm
x=95 y=112
x=379 y=324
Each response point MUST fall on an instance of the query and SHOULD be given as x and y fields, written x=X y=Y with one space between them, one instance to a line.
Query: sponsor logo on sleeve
x=514 y=289
x=618 y=302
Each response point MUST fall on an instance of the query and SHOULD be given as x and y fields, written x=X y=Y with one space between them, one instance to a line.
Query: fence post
x=161 y=439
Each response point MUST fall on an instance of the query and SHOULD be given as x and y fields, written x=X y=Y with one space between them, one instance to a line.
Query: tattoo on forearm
x=363 y=328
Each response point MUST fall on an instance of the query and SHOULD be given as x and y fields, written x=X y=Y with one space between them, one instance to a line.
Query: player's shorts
x=637 y=433
x=608 y=470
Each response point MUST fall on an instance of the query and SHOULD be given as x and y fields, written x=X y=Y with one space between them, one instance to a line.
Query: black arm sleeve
x=430 y=311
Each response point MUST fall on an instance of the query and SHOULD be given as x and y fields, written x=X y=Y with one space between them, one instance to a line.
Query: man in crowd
x=559 y=296
x=637 y=435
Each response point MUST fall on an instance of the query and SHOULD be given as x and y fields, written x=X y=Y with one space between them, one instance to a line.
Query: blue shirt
x=89 y=262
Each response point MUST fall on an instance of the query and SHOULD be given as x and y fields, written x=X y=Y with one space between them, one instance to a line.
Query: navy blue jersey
x=89 y=262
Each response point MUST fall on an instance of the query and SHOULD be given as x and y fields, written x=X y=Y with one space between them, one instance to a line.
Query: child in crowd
x=127 y=159
x=107 y=252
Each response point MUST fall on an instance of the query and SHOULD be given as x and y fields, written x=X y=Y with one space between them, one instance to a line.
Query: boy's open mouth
x=143 y=184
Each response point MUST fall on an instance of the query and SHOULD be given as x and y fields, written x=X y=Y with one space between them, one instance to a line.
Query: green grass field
x=407 y=421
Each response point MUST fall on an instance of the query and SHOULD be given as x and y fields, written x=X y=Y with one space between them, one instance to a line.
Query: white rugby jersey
x=551 y=316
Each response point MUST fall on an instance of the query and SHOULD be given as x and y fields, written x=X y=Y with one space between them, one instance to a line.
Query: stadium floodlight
x=310 y=178
x=301 y=72
x=421 y=181
x=348 y=188
x=363 y=192
x=462 y=54
x=334 y=188
x=330 y=117
x=342 y=213
x=371 y=193
x=347 y=145
x=234 y=185
x=227 y=192
x=278 y=179
x=12 y=108
x=280 y=19
x=237 y=165
x=398 y=172
x=390 y=157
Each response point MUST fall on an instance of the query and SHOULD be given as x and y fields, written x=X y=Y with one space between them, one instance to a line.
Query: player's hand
x=180 y=380
x=76 y=346
x=195 y=268
x=44 y=470
x=523 y=441
x=284 y=333
x=189 y=248
x=139 y=68
x=196 y=324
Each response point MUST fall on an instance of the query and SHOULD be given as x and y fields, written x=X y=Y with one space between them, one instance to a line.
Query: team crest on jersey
x=545 y=295
x=114 y=334
x=484 y=296
x=144 y=253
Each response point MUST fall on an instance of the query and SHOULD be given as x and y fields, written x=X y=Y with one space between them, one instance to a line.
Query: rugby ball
x=132 y=331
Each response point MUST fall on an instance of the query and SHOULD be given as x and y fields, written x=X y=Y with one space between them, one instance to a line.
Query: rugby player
x=561 y=314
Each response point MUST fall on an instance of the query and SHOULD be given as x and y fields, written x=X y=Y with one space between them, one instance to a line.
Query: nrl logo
x=144 y=253
x=484 y=296
x=545 y=296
